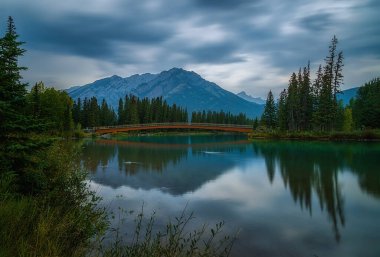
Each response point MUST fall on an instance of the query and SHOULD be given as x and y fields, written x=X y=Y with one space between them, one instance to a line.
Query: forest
x=308 y=105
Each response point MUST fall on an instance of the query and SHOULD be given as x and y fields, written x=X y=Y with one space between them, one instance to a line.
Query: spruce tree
x=269 y=116
x=12 y=90
x=292 y=103
x=16 y=145
x=282 y=111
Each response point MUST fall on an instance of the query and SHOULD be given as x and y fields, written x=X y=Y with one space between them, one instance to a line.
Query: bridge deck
x=175 y=125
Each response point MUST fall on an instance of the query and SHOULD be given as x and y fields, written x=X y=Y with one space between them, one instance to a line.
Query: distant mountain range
x=249 y=98
x=184 y=88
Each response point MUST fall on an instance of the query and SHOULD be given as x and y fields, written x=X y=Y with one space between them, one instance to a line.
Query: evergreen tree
x=269 y=116
x=282 y=111
x=316 y=92
x=34 y=99
x=332 y=79
x=305 y=99
x=120 y=112
x=292 y=103
x=77 y=109
x=12 y=90
x=16 y=145
x=366 y=107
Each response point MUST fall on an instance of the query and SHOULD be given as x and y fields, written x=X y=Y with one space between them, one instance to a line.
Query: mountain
x=110 y=89
x=184 y=88
x=249 y=98
x=347 y=94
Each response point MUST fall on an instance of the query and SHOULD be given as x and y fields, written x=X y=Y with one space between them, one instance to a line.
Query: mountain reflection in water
x=313 y=173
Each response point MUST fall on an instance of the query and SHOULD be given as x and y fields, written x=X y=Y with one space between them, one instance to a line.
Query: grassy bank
x=365 y=135
x=59 y=218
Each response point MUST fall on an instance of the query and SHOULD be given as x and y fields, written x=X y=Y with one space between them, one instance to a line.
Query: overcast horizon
x=242 y=45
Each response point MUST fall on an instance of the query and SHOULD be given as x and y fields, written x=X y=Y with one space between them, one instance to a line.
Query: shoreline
x=358 y=136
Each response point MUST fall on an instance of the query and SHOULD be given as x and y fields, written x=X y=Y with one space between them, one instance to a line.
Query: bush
x=58 y=219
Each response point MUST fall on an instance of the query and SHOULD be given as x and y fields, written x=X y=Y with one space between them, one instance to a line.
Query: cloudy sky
x=251 y=45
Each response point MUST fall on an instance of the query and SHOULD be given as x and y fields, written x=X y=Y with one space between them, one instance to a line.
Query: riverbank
x=48 y=209
x=365 y=135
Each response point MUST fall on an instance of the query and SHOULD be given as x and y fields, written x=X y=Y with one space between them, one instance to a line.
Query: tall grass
x=175 y=240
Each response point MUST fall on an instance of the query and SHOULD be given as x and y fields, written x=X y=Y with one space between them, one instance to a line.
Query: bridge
x=173 y=125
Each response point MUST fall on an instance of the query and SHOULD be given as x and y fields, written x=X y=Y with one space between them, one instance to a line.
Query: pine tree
x=269 y=116
x=331 y=81
x=120 y=112
x=77 y=110
x=305 y=99
x=282 y=111
x=16 y=145
x=316 y=92
x=366 y=107
x=292 y=103
x=35 y=99
x=12 y=90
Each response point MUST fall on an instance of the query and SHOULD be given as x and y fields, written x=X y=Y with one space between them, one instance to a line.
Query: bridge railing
x=169 y=124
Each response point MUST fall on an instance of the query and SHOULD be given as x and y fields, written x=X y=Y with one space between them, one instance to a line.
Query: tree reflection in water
x=309 y=170
x=314 y=166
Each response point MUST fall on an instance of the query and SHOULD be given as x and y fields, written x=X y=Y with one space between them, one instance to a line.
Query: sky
x=250 y=45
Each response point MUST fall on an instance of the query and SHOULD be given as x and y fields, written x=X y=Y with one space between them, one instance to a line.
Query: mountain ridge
x=250 y=98
x=177 y=86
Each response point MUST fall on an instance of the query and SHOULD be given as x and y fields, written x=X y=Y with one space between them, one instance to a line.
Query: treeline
x=156 y=110
x=311 y=105
x=131 y=110
x=220 y=118
x=89 y=113
x=51 y=108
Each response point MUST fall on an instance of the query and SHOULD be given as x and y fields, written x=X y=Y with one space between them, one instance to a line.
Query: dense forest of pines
x=220 y=118
x=132 y=110
x=313 y=106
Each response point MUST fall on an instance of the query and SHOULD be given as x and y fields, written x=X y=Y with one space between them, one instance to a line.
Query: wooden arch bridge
x=174 y=125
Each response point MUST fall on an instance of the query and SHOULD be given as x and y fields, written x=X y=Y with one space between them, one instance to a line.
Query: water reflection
x=249 y=184
x=187 y=163
x=306 y=166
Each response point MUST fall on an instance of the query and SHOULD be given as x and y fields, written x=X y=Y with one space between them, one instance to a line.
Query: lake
x=286 y=198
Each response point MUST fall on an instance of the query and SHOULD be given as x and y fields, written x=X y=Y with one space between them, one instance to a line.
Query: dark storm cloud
x=156 y=34
x=95 y=36
x=225 y=4
x=214 y=53
x=317 y=22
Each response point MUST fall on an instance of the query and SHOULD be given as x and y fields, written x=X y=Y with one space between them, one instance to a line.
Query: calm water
x=287 y=198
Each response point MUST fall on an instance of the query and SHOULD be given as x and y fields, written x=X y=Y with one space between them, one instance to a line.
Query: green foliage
x=282 y=111
x=50 y=107
x=11 y=89
x=220 y=118
x=269 y=118
x=366 y=107
x=347 y=121
x=29 y=225
x=308 y=106
x=132 y=110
